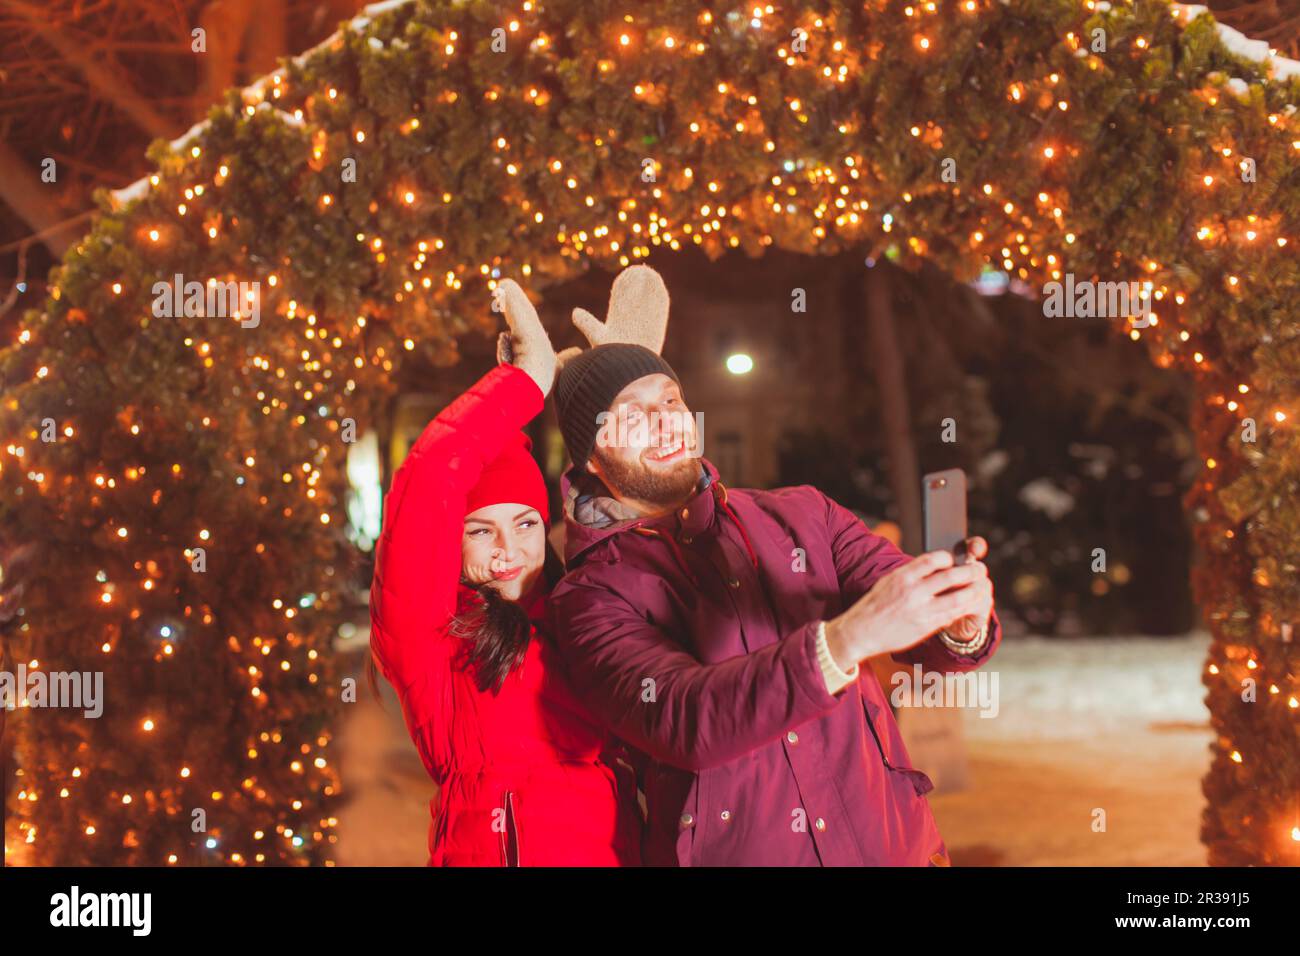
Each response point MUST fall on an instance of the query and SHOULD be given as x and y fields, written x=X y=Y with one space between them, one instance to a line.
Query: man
x=720 y=634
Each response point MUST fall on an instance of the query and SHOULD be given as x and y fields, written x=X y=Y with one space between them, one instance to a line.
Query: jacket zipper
x=510 y=837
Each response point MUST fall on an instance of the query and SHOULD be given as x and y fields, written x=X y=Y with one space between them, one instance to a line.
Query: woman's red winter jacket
x=526 y=776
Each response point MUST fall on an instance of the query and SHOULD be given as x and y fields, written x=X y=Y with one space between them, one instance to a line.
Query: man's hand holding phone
x=968 y=628
x=914 y=601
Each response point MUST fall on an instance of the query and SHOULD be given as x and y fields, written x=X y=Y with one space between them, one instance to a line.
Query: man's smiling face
x=645 y=451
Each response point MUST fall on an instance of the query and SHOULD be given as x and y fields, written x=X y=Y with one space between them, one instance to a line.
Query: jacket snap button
x=734 y=582
x=792 y=737
x=687 y=540
x=820 y=824
x=726 y=815
x=687 y=820
x=686 y=513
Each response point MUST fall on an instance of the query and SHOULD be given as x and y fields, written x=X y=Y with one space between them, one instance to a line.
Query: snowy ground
x=386 y=819
x=1116 y=724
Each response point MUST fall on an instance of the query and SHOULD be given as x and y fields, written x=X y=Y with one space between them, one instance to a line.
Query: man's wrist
x=841 y=648
x=836 y=676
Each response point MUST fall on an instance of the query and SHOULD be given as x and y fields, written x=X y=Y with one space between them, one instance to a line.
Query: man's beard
x=634 y=480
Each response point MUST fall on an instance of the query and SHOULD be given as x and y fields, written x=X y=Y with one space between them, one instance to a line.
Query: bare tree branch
x=23 y=192
x=19 y=282
x=105 y=79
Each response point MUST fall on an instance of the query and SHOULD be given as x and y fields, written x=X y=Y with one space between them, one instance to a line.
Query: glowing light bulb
x=739 y=363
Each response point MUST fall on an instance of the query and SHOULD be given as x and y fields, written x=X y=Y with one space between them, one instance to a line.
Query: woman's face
x=505 y=546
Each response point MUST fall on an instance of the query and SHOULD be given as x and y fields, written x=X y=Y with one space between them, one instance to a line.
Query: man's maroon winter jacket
x=694 y=635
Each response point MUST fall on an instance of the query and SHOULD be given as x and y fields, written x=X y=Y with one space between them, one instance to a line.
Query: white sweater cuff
x=836 y=678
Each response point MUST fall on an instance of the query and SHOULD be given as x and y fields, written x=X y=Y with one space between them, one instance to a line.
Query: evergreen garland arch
x=532 y=140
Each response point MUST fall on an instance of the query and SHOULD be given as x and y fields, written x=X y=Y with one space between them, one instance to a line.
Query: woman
x=526 y=775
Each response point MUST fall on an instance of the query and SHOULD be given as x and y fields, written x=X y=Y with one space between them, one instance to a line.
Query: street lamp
x=738 y=363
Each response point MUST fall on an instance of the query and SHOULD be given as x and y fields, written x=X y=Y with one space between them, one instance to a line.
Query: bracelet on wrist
x=966 y=648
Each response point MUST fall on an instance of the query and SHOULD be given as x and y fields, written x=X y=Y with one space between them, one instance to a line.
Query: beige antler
x=638 y=311
x=526 y=345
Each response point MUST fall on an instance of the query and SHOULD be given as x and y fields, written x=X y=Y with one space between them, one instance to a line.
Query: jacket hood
x=592 y=513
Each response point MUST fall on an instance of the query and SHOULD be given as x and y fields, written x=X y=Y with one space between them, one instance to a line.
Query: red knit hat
x=513 y=476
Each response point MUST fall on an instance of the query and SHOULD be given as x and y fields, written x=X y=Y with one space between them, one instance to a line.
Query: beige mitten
x=637 y=314
x=526 y=346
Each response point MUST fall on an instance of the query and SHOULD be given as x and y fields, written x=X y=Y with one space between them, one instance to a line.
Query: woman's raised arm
x=418 y=556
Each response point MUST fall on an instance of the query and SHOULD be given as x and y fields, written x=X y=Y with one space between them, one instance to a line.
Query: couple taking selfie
x=690 y=686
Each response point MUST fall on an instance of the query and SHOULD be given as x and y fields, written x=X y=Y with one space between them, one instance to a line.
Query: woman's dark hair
x=498 y=630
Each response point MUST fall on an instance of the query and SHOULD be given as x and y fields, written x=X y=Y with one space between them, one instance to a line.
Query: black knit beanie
x=589 y=382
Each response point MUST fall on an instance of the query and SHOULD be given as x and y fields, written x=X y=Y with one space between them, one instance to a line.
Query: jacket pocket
x=884 y=728
x=921 y=781
x=879 y=733
x=889 y=740
x=510 y=851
